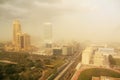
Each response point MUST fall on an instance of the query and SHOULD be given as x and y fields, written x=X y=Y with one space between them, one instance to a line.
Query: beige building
x=98 y=59
x=101 y=57
x=21 y=41
x=16 y=32
x=86 y=55
x=24 y=42
x=67 y=50
x=64 y=50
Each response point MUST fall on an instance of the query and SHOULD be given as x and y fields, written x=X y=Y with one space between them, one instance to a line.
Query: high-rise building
x=16 y=32
x=47 y=35
x=86 y=56
x=21 y=41
x=48 y=32
x=24 y=42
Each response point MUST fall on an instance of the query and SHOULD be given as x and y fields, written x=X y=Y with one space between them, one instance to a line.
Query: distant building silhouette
x=47 y=35
x=48 y=32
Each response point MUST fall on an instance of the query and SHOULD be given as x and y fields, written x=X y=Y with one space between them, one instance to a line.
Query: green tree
x=10 y=69
x=111 y=60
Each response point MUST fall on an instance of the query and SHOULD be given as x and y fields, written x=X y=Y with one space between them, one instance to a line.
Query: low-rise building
x=67 y=50
x=57 y=51
x=106 y=51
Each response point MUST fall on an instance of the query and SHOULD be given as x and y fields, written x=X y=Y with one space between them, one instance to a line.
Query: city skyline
x=59 y=39
x=21 y=41
x=95 y=20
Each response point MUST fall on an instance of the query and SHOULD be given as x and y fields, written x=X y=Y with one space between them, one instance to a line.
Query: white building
x=100 y=60
x=106 y=51
x=86 y=55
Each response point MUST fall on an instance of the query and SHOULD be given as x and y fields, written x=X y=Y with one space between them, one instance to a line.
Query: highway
x=61 y=74
x=59 y=70
x=69 y=68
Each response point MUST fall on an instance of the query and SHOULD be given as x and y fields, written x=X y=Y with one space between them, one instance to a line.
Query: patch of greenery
x=111 y=60
x=28 y=67
x=97 y=72
x=117 y=61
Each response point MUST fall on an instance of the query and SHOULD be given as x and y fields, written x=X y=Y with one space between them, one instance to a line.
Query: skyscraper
x=16 y=32
x=48 y=35
x=21 y=41
x=48 y=32
x=24 y=42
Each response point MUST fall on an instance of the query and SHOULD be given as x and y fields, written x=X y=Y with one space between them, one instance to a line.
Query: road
x=68 y=71
x=62 y=73
x=42 y=77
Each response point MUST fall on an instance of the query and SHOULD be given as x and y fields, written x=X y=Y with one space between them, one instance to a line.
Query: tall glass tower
x=48 y=34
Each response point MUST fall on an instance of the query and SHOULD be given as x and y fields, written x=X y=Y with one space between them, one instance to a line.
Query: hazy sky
x=97 y=20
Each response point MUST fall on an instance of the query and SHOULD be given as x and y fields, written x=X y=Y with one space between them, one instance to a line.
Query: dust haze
x=94 y=20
